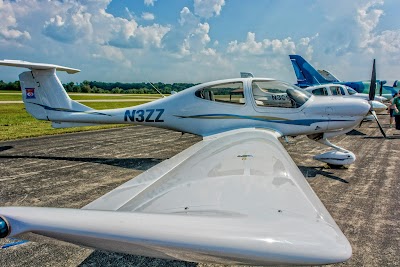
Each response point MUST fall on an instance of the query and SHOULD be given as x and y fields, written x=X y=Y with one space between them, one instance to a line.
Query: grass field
x=9 y=92
x=12 y=96
x=16 y=123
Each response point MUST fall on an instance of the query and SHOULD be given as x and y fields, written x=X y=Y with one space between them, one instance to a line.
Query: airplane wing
x=235 y=197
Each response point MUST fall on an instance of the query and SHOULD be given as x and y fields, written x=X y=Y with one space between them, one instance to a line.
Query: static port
x=4 y=228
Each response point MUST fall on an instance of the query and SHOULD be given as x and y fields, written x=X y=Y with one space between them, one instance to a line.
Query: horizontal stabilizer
x=36 y=66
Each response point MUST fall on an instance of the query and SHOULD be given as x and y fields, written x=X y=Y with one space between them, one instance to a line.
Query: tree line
x=111 y=88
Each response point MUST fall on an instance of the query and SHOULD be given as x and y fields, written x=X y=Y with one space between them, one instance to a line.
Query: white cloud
x=130 y=14
x=113 y=54
x=187 y=18
x=368 y=18
x=207 y=8
x=8 y=24
x=190 y=37
x=148 y=16
x=252 y=47
x=91 y=22
x=383 y=44
x=149 y=2
x=75 y=25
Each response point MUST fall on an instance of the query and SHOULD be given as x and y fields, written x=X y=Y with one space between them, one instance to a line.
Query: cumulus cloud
x=276 y=46
x=90 y=21
x=149 y=2
x=76 y=24
x=130 y=35
x=148 y=16
x=384 y=43
x=8 y=24
x=207 y=8
x=368 y=18
x=190 y=37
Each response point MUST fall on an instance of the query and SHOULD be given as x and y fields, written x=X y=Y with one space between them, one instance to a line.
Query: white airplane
x=334 y=89
x=236 y=197
x=341 y=90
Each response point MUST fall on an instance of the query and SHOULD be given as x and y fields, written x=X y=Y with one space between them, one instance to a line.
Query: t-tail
x=43 y=93
x=305 y=73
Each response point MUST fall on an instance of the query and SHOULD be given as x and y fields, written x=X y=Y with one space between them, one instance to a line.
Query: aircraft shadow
x=103 y=258
x=394 y=136
x=312 y=172
x=355 y=132
x=374 y=137
x=129 y=163
x=3 y=148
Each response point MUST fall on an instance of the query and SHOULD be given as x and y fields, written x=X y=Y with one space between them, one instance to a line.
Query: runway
x=72 y=170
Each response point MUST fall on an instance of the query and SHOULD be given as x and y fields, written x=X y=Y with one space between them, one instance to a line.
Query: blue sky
x=201 y=40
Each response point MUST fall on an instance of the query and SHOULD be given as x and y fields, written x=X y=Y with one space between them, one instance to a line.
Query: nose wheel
x=335 y=158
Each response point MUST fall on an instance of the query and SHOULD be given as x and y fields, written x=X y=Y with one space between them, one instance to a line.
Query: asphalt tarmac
x=71 y=170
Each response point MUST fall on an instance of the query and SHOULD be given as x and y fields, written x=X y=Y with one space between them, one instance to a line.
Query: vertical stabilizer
x=305 y=73
x=42 y=91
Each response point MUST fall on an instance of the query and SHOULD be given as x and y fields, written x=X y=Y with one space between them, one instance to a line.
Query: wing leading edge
x=235 y=197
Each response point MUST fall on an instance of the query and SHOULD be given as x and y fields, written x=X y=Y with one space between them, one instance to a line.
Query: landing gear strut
x=337 y=157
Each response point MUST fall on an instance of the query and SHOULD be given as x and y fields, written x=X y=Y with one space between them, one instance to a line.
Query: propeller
x=372 y=89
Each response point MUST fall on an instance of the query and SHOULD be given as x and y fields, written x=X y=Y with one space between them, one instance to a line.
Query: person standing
x=391 y=110
x=396 y=113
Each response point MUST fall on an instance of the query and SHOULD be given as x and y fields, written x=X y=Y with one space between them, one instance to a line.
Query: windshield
x=351 y=91
x=278 y=94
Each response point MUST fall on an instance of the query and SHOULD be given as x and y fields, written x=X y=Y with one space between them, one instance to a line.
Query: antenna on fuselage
x=155 y=88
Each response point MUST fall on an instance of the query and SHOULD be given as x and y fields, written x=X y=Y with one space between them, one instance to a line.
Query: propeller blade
x=377 y=121
x=380 y=88
x=372 y=86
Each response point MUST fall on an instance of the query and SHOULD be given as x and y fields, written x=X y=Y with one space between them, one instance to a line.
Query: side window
x=278 y=94
x=320 y=91
x=231 y=93
x=334 y=90
x=337 y=90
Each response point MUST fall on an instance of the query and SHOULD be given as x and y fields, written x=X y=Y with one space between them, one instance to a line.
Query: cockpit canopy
x=273 y=93
x=265 y=93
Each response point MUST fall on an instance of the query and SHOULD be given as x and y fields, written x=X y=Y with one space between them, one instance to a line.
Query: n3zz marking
x=147 y=115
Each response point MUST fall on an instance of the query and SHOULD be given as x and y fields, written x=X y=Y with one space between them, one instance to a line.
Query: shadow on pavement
x=102 y=258
x=355 y=132
x=3 y=148
x=130 y=163
x=311 y=172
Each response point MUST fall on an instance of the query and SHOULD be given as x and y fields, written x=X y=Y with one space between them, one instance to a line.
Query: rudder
x=305 y=73
x=42 y=91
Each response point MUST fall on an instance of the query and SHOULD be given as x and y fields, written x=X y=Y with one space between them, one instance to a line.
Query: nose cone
x=378 y=106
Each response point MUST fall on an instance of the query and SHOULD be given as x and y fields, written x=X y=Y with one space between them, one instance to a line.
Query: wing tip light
x=4 y=228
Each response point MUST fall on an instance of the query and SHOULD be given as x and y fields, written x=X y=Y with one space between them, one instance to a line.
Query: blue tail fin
x=305 y=73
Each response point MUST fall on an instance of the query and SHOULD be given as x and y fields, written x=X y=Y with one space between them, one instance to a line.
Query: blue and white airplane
x=308 y=76
x=236 y=197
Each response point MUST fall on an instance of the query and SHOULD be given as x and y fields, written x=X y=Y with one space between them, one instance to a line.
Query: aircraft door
x=329 y=113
